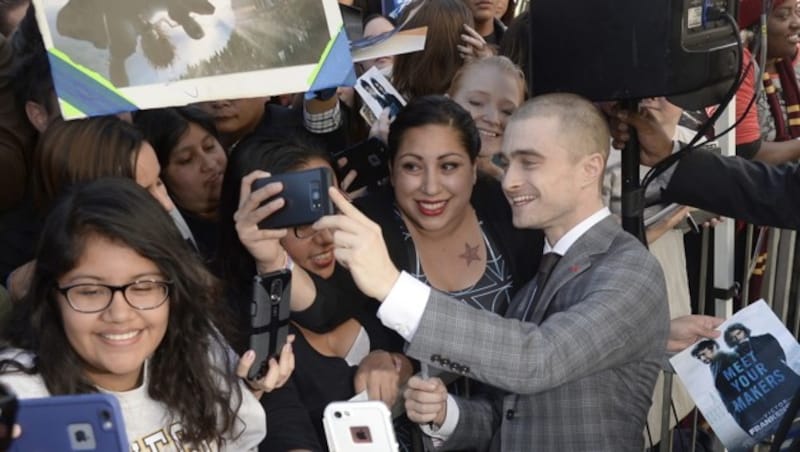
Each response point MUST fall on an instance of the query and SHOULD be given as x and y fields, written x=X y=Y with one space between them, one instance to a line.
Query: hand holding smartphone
x=305 y=195
x=85 y=422
x=359 y=427
x=369 y=159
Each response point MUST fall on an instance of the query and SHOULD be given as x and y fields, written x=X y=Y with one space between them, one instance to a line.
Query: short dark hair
x=706 y=344
x=728 y=335
x=435 y=110
x=164 y=127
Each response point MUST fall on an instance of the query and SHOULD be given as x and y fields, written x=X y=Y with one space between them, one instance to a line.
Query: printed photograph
x=744 y=381
x=378 y=93
x=144 y=42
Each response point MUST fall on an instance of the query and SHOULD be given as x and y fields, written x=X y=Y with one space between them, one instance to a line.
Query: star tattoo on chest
x=470 y=254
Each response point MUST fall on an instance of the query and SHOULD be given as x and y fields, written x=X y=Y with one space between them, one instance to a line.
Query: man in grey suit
x=578 y=360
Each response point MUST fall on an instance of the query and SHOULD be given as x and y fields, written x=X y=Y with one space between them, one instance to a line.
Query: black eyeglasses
x=90 y=298
x=305 y=232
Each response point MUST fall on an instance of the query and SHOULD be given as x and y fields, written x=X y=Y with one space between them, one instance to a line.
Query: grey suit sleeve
x=478 y=420
x=619 y=315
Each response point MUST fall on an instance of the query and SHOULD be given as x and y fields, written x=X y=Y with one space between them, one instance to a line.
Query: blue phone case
x=83 y=422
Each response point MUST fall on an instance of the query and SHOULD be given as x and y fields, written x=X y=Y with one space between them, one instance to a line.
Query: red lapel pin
x=574 y=268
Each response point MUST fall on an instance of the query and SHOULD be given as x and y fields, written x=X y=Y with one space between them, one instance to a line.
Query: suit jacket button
x=435 y=358
x=465 y=369
x=445 y=362
x=454 y=366
x=510 y=414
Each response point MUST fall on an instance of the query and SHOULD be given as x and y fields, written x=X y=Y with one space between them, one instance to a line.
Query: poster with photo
x=378 y=93
x=108 y=56
x=744 y=381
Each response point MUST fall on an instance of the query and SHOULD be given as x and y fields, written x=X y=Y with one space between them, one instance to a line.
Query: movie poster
x=153 y=53
x=743 y=381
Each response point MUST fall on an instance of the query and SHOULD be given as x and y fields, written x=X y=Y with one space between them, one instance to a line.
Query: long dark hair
x=191 y=370
x=429 y=71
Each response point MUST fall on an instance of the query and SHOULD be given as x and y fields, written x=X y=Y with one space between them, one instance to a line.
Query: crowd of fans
x=440 y=265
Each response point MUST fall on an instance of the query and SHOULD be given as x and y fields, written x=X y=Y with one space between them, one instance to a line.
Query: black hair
x=5 y=7
x=190 y=371
x=31 y=69
x=728 y=335
x=164 y=127
x=435 y=110
x=706 y=344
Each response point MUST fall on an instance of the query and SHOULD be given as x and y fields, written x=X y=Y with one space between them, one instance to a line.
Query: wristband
x=287 y=268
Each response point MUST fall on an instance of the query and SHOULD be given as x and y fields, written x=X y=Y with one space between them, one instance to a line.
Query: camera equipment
x=686 y=50
x=633 y=49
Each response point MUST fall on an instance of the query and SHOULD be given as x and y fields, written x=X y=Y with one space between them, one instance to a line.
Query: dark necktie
x=546 y=266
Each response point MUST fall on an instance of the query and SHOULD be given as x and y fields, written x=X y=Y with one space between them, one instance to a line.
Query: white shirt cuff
x=403 y=308
x=448 y=426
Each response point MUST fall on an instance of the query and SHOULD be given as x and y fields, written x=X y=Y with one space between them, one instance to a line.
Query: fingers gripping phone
x=370 y=161
x=85 y=422
x=270 y=310
x=305 y=194
x=8 y=414
x=359 y=427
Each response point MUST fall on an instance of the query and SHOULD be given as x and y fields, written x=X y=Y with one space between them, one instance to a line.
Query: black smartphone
x=269 y=313
x=305 y=194
x=8 y=415
x=370 y=161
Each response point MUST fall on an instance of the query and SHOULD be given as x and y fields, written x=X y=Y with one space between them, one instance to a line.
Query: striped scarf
x=791 y=96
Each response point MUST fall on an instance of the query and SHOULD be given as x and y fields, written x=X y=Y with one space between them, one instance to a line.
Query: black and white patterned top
x=492 y=292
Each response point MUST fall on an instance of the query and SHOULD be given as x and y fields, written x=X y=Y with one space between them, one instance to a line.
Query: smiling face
x=114 y=343
x=432 y=177
x=314 y=252
x=194 y=171
x=490 y=95
x=544 y=180
x=783 y=25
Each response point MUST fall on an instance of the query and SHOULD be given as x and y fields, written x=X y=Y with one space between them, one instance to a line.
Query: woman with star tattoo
x=441 y=220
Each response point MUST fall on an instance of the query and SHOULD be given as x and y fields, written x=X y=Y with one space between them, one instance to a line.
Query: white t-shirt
x=146 y=420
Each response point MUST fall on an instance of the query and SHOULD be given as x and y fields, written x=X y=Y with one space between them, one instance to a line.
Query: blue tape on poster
x=338 y=65
x=85 y=91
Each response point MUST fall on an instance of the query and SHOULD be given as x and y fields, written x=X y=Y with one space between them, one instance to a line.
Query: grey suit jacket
x=580 y=374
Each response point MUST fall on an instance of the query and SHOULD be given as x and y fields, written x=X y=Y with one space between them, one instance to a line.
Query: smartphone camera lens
x=337 y=414
x=105 y=417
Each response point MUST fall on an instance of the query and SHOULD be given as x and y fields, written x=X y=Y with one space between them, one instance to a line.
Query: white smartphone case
x=359 y=427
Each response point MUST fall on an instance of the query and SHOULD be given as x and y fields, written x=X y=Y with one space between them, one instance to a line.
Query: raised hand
x=359 y=247
x=426 y=401
x=473 y=45
x=277 y=374
x=685 y=331
x=262 y=244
